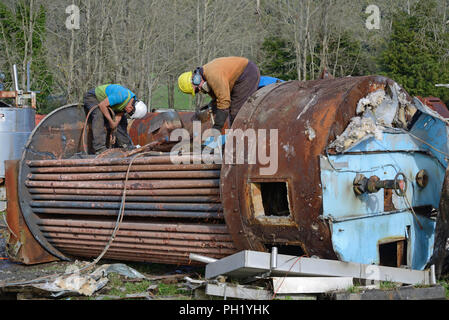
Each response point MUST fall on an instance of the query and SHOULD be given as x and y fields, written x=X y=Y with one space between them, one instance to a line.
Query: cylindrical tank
x=70 y=205
x=16 y=125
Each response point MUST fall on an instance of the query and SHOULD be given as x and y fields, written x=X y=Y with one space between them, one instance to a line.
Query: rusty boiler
x=359 y=167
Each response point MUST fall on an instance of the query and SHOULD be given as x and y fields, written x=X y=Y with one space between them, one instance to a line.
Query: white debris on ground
x=73 y=282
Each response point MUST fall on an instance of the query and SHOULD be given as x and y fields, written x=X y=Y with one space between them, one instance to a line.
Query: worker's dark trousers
x=244 y=87
x=99 y=134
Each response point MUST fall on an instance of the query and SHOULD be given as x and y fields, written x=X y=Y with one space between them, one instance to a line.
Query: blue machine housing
x=364 y=219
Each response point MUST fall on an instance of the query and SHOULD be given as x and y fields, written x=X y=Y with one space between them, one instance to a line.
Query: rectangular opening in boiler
x=393 y=254
x=270 y=199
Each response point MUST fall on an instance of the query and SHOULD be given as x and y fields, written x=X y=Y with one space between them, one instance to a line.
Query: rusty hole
x=393 y=254
x=270 y=199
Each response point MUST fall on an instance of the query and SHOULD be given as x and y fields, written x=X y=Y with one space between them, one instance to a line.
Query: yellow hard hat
x=185 y=83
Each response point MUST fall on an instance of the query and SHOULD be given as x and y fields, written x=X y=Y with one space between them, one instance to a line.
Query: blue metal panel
x=435 y=134
x=357 y=240
x=340 y=201
x=392 y=141
x=360 y=223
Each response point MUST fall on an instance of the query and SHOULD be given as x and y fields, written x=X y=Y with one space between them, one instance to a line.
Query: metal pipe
x=126 y=247
x=134 y=168
x=28 y=76
x=274 y=258
x=141 y=256
x=132 y=185
x=119 y=192
x=145 y=226
x=129 y=205
x=139 y=234
x=129 y=240
x=175 y=160
x=68 y=197
x=16 y=78
x=131 y=213
x=200 y=258
x=132 y=175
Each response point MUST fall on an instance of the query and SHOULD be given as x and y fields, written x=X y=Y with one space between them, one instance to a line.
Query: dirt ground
x=161 y=282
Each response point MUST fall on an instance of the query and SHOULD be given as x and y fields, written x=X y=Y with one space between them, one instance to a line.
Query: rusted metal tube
x=135 y=255
x=129 y=205
x=159 y=192
x=131 y=240
x=131 y=213
x=69 y=197
x=132 y=185
x=145 y=247
x=191 y=159
x=139 y=234
x=131 y=176
x=93 y=251
x=143 y=226
x=134 y=168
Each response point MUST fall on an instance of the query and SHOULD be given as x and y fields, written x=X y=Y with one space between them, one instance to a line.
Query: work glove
x=220 y=118
x=203 y=113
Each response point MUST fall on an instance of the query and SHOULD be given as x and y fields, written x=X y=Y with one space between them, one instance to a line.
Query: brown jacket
x=221 y=75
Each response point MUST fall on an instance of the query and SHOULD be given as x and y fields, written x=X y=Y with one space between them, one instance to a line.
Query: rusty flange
x=57 y=136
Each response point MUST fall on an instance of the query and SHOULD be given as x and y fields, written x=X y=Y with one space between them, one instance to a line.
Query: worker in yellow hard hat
x=229 y=81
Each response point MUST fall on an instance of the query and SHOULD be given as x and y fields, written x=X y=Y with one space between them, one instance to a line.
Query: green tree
x=345 y=57
x=22 y=36
x=278 y=59
x=413 y=56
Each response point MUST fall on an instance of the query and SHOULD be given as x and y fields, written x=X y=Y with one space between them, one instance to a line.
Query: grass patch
x=118 y=286
x=387 y=285
x=168 y=290
x=354 y=289
x=445 y=284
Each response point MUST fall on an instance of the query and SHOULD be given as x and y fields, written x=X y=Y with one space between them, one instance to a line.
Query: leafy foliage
x=279 y=59
x=22 y=32
x=412 y=57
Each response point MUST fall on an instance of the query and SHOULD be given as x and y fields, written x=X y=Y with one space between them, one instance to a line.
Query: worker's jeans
x=99 y=126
